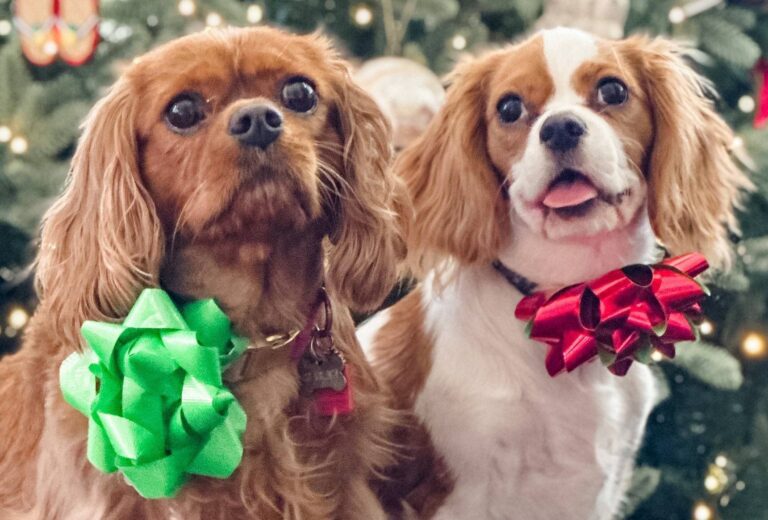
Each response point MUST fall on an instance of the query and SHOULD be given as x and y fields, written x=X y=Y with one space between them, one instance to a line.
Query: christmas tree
x=706 y=450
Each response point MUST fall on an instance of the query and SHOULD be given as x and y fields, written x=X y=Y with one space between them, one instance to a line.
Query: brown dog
x=242 y=165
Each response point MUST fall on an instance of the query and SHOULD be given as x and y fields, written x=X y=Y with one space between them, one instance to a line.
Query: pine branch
x=727 y=41
x=710 y=364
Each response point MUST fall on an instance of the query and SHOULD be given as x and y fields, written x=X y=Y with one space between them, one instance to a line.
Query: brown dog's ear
x=366 y=244
x=695 y=186
x=458 y=212
x=101 y=241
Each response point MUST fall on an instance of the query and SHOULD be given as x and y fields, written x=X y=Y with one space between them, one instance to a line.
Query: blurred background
x=706 y=452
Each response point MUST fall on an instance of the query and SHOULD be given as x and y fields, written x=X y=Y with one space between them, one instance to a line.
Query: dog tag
x=330 y=402
x=318 y=373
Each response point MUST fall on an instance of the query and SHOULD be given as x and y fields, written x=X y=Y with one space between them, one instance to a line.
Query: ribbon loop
x=152 y=390
x=619 y=315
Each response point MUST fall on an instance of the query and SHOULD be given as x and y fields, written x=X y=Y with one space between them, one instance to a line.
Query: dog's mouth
x=572 y=194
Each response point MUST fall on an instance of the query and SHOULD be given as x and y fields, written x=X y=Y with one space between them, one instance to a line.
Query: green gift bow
x=159 y=411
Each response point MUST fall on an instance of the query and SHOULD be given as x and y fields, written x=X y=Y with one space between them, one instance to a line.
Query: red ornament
x=619 y=315
x=761 y=113
x=50 y=28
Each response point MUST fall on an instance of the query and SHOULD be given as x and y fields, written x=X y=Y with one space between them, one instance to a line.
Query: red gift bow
x=619 y=315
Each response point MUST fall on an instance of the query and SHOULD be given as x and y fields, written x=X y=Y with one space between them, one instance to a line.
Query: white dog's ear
x=695 y=186
x=457 y=208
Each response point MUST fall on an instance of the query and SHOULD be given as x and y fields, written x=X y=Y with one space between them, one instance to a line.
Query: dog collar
x=515 y=279
x=324 y=375
x=298 y=340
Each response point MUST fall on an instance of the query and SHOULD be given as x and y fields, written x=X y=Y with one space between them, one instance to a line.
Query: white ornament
x=408 y=93
x=604 y=18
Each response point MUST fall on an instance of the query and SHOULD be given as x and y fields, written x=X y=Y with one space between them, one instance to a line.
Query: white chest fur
x=521 y=444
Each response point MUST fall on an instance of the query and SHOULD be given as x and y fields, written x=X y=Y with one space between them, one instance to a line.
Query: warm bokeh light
x=706 y=327
x=362 y=15
x=255 y=13
x=17 y=318
x=459 y=42
x=677 y=15
x=702 y=511
x=753 y=345
x=213 y=20
x=19 y=145
x=187 y=7
x=50 y=48
x=5 y=134
x=747 y=104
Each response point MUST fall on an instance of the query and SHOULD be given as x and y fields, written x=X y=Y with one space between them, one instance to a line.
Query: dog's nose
x=562 y=132
x=256 y=125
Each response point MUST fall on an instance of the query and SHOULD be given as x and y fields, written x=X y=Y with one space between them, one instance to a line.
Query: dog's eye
x=184 y=112
x=611 y=91
x=299 y=95
x=510 y=108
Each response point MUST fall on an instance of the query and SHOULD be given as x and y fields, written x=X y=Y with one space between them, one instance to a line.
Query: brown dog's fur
x=204 y=217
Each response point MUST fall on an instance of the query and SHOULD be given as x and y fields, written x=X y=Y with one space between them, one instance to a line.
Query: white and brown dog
x=562 y=158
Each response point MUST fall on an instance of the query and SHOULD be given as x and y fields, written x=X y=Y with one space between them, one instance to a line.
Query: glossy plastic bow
x=620 y=316
x=151 y=388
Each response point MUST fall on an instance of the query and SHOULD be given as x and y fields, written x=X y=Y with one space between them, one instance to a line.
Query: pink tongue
x=565 y=194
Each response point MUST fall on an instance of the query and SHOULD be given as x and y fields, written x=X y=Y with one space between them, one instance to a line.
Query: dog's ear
x=101 y=241
x=695 y=186
x=366 y=243
x=458 y=211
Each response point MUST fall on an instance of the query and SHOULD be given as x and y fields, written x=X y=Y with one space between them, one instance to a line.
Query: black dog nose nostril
x=562 y=132
x=256 y=125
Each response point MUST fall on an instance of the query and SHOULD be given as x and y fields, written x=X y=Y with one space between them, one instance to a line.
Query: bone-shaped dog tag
x=326 y=372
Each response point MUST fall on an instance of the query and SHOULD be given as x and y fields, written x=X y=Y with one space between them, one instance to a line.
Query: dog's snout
x=562 y=132
x=256 y=125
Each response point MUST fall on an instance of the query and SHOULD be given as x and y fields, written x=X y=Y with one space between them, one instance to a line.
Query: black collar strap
x=516 y=280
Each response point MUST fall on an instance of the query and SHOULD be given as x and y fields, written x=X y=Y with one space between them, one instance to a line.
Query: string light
x=702 y=511
x=17 y=318
x=753 y=345
x=50 y=48
x=706 y=327
x=657 y=356
x=712 y=484
x=5 y=27
x=716 y=479
x=721 y=460
x=254 y=13
x=459 y=42
x=187 y=7
x=676 y=15
x=746 y=104
x=19 y=145
x=5 y=134
x=213 y=20
x=362 y=15
x=679 y=14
